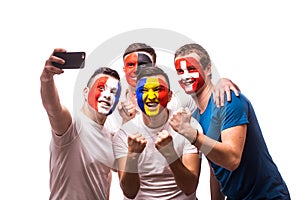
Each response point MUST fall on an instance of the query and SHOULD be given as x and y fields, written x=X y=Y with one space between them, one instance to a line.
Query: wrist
x=194 y=140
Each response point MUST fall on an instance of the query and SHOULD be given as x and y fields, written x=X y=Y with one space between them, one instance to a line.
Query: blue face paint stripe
x=139 y=94
x=117 y=97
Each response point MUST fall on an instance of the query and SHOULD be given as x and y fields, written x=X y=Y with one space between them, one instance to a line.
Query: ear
x=170 y=95
x=86 y=91
x=208 y=70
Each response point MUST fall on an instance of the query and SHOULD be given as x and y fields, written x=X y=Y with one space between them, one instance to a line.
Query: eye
x=191 y=68
x=130 y=64
x=101 y=88
x=179 y=71
x=114 y=91
x=160 y=88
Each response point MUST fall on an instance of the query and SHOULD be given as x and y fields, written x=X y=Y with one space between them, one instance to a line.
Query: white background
x=254 y=43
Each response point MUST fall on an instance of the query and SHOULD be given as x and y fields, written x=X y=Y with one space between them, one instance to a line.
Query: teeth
x=104 y=103
x=151 y=104
x=187 y=82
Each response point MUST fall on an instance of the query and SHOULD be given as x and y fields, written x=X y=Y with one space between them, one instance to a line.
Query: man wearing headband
x=137 y=54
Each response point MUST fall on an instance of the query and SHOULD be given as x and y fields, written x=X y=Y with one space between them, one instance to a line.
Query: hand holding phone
x=73 y=60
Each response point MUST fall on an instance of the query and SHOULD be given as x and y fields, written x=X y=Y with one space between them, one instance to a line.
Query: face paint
x=131 y=61
x=190 y=74
x=104 y=95
x=152 y=95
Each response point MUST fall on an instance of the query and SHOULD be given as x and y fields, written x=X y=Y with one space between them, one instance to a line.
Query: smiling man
x=154 y=161
x=81 y=154
x=234 y=145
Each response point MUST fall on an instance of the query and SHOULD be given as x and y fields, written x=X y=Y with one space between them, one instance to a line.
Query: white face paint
x=104 y=94
x=187 y=77
x=107 y=98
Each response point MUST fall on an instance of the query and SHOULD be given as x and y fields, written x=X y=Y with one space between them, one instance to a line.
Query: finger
x=228 y=94
x=222 y=96
x=235 y=90
x=216 y=95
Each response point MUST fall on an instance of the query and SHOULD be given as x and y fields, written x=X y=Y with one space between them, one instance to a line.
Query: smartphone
x=73 y=60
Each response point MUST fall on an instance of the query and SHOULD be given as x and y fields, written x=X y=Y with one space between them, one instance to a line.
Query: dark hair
x=134 y=47
x=151 y=70
x=104 y=70
x=194 y=48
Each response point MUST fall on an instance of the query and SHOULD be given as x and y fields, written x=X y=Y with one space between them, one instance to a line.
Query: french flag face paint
x=190 y=74
x=152 y=95
x=131 y=61
x=104 y=94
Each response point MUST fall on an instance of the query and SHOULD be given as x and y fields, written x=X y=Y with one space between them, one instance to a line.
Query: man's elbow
x=130 y=195
x=234 y=164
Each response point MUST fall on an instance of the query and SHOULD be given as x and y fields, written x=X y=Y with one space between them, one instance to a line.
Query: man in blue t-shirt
x=232 y=140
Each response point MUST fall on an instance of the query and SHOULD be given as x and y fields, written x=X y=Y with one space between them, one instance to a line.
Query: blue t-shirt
x=257 y=176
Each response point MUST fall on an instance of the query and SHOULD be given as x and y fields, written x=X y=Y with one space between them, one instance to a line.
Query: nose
x=106 y=94
x=152 y=94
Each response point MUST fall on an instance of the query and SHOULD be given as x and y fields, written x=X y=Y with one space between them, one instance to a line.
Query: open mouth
x=187 y=81
x=104 y=104
x=152 y=104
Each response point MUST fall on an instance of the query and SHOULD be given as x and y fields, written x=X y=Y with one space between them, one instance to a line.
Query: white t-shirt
x=81 y=161
x=157 y=180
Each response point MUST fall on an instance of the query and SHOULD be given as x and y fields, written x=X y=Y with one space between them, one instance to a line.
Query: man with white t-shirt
x=154 y=161
x=81 y=154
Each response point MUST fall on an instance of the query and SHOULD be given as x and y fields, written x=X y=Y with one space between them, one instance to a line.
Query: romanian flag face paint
x=131 y=61
x=190 y=74
x=152 y=95
x=104 y=94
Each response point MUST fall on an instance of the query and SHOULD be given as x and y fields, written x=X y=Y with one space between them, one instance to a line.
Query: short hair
x=151 y=70
x=134 y=47
x=194 y=48
x=104 y=70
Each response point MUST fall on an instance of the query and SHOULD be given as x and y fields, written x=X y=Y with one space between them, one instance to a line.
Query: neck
x=156 y=121
x=93 y=114
x=202 y=97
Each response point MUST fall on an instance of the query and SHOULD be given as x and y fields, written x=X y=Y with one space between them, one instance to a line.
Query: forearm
x=217 y=152
x=186 y=180
x=59 y=117
x=130 y=179
x=215 y=191
x=50 y=97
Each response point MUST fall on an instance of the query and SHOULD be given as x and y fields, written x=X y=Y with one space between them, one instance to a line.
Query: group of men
x=157 y=150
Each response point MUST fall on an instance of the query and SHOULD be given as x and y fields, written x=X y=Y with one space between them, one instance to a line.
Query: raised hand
x=164 y=144
x=50 y=70
x=127 y=110
x=180 y=122
x=136 y=143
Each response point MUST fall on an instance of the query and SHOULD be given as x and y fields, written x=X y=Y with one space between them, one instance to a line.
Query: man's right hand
x=136 y=143
x=50 y=70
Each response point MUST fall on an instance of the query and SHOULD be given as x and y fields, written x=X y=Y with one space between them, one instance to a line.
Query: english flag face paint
x=104 y=94
x=152 y=95
x=190 y=74
x=131 y=61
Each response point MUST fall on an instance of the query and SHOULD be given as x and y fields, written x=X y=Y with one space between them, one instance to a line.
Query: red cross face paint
x=190 y=74
x=131 y=61
x=152 y=95
x=104 y=94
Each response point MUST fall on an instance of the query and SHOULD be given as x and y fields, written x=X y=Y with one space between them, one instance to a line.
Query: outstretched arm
x=224 y=85
x=59 y=117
